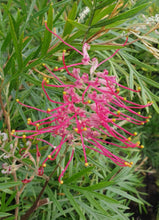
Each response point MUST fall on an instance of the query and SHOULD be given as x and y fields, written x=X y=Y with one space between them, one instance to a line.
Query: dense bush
x=102 y=189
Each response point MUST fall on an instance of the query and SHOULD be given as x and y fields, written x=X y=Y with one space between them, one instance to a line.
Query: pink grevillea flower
x=92 y=107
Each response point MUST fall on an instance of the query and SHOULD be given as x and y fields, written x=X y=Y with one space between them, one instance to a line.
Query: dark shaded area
x=152 y=197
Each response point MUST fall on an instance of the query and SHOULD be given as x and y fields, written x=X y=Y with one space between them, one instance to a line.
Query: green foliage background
x=102 y=191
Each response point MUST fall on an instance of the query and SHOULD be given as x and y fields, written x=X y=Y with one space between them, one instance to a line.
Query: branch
x=6 y=115
x=35 y=205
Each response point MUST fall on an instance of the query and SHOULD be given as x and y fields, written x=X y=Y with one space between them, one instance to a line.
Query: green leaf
x=11 y=198
x=95 y=194
x=29 y=13
x=134 y=60
x=59 y=14
x=95 y=203
x=104 y=3
x=88 y=3
x=72 y=15
x=55 y=201
x=123 y=16
x=47 y=34
x=28 y=161
x=101 y=185
x=149 y=81
x=4 y=214
x=6 y=42
x=104 y=47
x=124 y=194
x=4 y=179
x=60 y=3
x=16 y=45
x=32 y=79
x=101 y=13
x=9 y=185
x=73 y=203
x=12 y=207
x=78 y=25
x=1 y=124
x=78 y=175
x=41 y=12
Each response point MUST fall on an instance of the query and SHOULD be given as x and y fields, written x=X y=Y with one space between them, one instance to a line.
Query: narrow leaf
x=124 y=194
x=9 y=185
x=78 y=175
x=100 y=185
x=95 y=194
x=78 y=25
x=88 y=3
x=16 y=45
x=47 y=34
x=73 y=203
x=104 y=3
x=55 y=201
x=123 y=16
x=4 y=214
x=72 y=15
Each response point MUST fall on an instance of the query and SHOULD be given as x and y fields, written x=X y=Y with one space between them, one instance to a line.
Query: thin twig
x=6 y=115
x=43 y=74
x=34 y=206
x=22 y=162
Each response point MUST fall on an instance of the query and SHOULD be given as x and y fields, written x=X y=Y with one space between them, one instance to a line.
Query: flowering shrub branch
x=92 y=106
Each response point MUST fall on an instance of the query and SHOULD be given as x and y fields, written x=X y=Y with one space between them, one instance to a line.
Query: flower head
x=92 y=106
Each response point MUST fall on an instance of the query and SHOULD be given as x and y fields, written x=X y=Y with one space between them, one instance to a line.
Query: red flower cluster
x=92 y=106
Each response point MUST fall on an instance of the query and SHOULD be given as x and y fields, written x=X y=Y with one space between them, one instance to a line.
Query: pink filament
x=62 y=173
x=84 y=150
x=112 y=54
x=53 y=74
x=62 y=39
x=48 y=96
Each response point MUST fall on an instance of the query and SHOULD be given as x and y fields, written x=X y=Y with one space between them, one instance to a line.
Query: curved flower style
x=92 y=106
